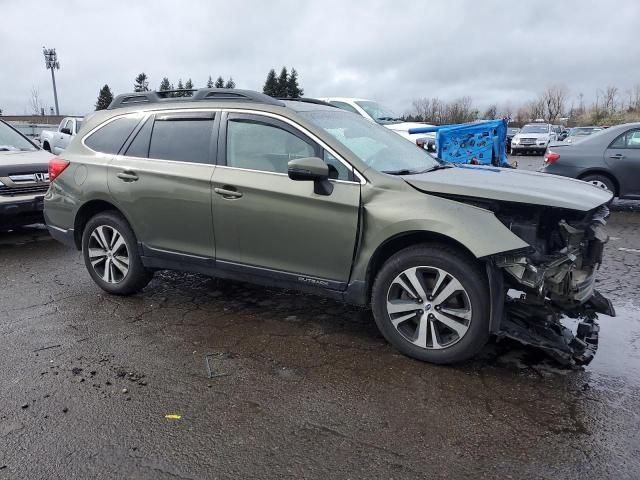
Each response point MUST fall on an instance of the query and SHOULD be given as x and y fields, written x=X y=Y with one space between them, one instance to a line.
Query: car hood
x=531 y=135
x=12 y=161
x=509 y=185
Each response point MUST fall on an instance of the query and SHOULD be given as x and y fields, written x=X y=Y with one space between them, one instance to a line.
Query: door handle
x=617 y=156
x=127 y=176
x=228 y=192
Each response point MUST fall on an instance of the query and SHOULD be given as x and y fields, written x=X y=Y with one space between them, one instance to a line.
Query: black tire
x=137 y=276
x=459 y=266
x=601 y=181
x=46 y=146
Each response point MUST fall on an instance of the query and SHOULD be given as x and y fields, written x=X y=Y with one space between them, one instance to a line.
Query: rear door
x=268 y=224
x=162 y=180
x=623 y=158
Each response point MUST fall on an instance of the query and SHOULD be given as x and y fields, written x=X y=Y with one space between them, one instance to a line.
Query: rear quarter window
x=110 y=137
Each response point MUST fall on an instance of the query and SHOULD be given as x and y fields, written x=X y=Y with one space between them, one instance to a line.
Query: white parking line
x=632 y=250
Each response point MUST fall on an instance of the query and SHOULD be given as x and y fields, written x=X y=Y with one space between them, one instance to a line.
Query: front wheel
x=431 y=303
x=111 y=256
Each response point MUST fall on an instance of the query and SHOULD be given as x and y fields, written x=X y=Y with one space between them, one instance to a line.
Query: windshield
x=535 y=129
x=378 y=147
x=380 y=114
x=12 y=141
x=584 y=131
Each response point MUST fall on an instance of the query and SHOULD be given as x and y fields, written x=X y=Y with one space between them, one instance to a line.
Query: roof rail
x=307 y=100
x=202 y=94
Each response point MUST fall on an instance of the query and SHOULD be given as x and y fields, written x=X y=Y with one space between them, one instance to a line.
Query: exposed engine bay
x=554 y=277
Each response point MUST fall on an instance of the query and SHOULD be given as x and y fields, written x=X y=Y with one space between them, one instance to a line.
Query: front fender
x=388 y=214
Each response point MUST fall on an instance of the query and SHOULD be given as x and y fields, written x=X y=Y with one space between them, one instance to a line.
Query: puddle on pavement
x=618 y=354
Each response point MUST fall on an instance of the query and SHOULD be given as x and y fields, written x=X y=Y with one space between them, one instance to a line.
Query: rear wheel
x=46 y=146
x=110 y=252
x=600 y=181
x=431 y=303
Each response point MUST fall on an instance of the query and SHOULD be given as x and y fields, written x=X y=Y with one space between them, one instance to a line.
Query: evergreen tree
x=105 y=97
x=293 y=89
x=282 y=83
x=141 y=83
x=271 y=84
x=188 y=86
x=209 y=82
x=230 y=83
x=219 y=82
x=180 y=93
x=164 y=85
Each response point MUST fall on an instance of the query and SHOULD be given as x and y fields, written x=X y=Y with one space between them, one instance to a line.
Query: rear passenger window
x=111 y=137
x=183 y=139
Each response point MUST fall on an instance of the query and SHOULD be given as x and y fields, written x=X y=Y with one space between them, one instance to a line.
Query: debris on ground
x=207 y=360
x=173 y=416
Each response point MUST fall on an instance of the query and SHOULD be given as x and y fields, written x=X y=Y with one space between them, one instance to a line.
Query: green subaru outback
x=296 y=194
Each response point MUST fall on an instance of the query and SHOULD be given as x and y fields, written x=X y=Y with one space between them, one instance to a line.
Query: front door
x=271 y=225
x=62 y=139
x=163 y=183
x=623 y=157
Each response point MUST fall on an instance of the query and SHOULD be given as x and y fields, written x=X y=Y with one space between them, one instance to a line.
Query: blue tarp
x=481 y=143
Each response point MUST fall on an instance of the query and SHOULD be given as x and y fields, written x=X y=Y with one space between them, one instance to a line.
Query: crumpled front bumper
x=540 y=326
x=558 y=285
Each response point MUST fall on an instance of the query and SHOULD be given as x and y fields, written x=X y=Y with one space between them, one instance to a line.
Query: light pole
x=51 y=62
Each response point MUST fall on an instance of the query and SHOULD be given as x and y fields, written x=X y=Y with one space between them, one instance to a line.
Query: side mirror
x=66 y=131
x=311 y=169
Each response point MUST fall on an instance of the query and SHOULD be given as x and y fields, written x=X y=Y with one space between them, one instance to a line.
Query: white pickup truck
x=55 y=141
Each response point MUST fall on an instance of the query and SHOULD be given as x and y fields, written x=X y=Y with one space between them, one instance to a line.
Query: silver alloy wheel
x=600 y=184
x=429 y=307
x=108 y=254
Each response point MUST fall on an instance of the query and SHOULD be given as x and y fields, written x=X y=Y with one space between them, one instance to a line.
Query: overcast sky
x=390 y=51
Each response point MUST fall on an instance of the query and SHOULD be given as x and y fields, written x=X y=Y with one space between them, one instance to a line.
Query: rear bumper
x=15 y=212
x=66 y=237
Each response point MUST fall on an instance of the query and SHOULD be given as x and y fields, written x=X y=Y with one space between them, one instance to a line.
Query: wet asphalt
x=302 y=387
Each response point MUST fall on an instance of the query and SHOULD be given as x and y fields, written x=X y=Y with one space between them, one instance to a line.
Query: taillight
x=56 y=167
x=551 y=157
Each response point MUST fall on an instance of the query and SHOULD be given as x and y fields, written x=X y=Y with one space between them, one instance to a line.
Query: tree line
x=555 y=104
x=285 y=85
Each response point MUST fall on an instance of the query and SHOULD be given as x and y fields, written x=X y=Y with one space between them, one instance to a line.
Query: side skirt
x=168 y=260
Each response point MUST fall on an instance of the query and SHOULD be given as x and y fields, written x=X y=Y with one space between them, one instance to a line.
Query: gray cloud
x=386 y=50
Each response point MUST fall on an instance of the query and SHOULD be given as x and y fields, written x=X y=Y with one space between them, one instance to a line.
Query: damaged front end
x=555 y=277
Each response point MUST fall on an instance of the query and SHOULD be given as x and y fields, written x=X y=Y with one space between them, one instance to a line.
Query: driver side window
x=261 y=146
